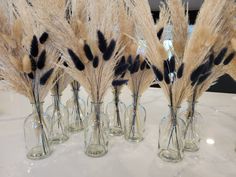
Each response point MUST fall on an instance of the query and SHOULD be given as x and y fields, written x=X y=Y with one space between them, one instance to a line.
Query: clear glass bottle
x=193 y=120
x=135 y=118
x=77 y=110
x=96 y=132
x=35 y=133
x=116 y=112
x=57 y=121
x=171 y=136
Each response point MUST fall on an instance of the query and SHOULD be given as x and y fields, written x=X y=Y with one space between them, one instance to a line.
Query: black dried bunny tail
x=46 y=76
x=117 y=83
x=43 y=38
x=41 y=60
x=34 y=50
x=102 y=43
x=220 y=56
x=76 y=60
x=157 y=73
x=88 y=52
x=110 y=50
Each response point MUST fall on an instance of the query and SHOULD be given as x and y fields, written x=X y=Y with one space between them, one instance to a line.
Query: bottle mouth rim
x=33 y=103
x=192 y=102
x=136 y=95
x=93 y=102
x=56 y=95
x=177 y=107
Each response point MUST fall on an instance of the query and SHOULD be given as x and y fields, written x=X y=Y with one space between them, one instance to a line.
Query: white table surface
x=124 y=159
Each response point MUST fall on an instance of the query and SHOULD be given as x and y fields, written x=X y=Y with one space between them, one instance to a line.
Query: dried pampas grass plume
x=179 y=22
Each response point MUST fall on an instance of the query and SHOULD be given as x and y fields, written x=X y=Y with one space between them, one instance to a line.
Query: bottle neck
x=97 y=107
x=173 y=114
x=116 y=94
x=56 y=101
x=37 y=109
x=136 y=99
x=191 y=108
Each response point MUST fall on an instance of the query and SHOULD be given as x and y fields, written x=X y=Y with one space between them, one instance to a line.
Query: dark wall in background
x=225 y=84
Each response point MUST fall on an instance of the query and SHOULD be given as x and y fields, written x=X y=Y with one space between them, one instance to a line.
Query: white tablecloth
x=216 y=157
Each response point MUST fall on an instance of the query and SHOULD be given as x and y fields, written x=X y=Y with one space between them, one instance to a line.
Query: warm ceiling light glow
x=210 y=141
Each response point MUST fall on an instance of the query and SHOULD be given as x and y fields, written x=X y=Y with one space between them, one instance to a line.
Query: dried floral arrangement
x=91 y=46
x=196 y=61
x=27 y=64
x=177 y=74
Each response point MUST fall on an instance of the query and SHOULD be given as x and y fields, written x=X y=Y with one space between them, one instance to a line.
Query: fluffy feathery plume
x=179 y=22
x=163 y=21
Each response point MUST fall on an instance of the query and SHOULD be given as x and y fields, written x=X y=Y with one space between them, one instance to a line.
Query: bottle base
x=134 y=139
x=116 y=131
x=58 y=139
x=191 y=147
x=170 y=156
x=74 y=129
x=95 y=150
x=37 y=153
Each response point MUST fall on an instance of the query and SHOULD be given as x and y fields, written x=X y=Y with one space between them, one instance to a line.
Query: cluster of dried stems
x=182 y=75
x=139 y=74
x=26 y=61
x=89 y=38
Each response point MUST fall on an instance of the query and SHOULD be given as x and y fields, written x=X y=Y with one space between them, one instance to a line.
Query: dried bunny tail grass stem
x=179 y=21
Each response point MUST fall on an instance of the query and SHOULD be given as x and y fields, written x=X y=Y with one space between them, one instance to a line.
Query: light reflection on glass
x=210 y=141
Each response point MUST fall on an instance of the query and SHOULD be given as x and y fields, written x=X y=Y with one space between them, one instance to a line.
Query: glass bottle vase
x=116 y=112
x=135 y=118
x=171 y=137
x=57 y=121
x=77 y=110
x=35 y=133
x=96 y=132
x=193 y=125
